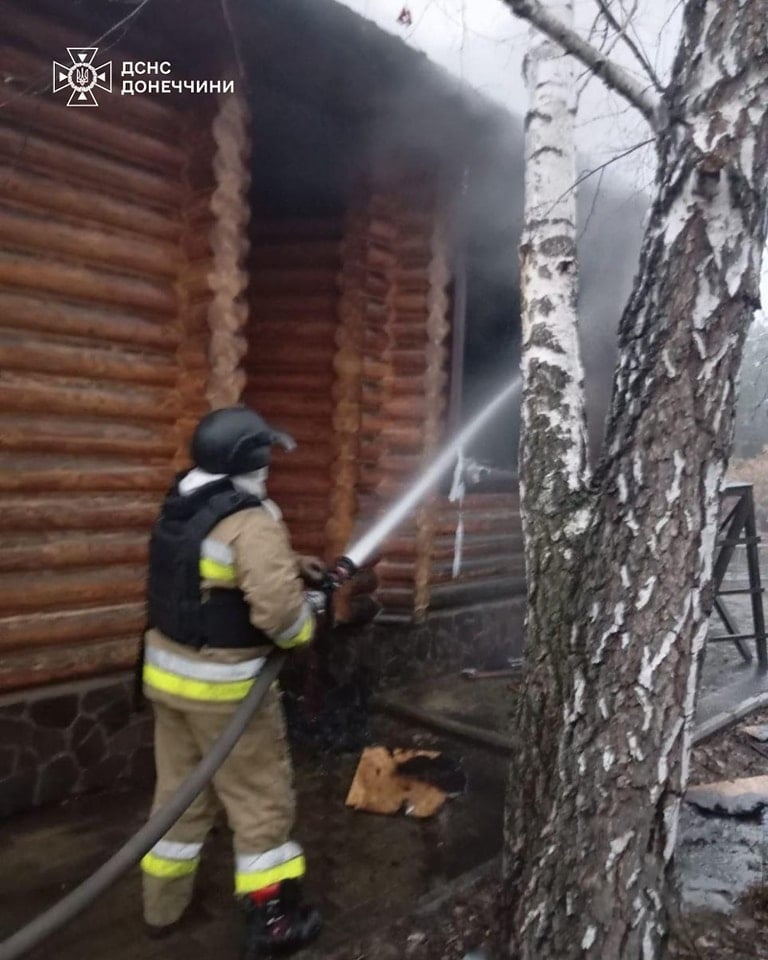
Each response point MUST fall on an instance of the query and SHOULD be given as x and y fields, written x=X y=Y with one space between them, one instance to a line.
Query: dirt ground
x=365 y=871
x=389 y=887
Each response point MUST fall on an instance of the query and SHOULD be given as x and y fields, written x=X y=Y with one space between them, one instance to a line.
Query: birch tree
x=620 y=564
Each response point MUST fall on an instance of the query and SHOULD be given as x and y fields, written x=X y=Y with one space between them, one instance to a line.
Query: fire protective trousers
x=254 y=785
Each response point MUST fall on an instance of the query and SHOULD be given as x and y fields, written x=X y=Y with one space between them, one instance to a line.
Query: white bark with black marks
x=596 y=881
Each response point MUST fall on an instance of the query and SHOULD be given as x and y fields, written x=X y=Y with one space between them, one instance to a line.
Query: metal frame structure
x=738 y=527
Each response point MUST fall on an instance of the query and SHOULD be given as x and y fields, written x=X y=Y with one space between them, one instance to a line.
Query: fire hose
x=160 y=822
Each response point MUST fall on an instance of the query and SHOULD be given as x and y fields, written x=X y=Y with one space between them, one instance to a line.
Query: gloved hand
x=317 y=600
x=313 y=570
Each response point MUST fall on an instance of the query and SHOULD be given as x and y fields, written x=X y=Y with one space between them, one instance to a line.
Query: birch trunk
x=553 y=466
x=599 y=882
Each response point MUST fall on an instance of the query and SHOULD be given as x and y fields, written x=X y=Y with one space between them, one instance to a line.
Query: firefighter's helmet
x=235 y=440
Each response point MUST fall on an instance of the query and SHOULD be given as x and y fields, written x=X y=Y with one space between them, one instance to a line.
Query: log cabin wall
x=103 y=353
x=291 y=330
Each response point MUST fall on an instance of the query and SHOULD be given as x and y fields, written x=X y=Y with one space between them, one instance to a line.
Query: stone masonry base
x=61 y=741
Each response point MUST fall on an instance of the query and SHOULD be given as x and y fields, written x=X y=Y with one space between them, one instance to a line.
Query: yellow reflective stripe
x=290 y=870
x=214 y=570
x=167 y=869
x=303 y=636
x=172 y=683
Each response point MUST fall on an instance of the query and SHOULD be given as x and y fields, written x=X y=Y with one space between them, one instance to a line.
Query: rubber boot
x=277 y=922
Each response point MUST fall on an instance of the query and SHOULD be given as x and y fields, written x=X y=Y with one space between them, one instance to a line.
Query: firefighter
x=224 y=587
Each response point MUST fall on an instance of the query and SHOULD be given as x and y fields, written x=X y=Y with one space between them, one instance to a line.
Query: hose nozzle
x=343 y=571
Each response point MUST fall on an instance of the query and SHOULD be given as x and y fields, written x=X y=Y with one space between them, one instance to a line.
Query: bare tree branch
x=612 y=74
x=600 y=169
x=623 y=34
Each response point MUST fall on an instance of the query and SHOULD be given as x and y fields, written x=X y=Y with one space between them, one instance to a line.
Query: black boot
x=279 y=923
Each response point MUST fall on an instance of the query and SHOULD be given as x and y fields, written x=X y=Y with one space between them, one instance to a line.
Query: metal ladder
x=738 y=527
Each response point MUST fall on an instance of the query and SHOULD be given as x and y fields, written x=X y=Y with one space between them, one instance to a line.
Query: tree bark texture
x=600 y=882
x=553 y=459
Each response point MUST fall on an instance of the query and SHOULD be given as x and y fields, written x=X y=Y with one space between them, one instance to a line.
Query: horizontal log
x=408 y=435
x=67 y=279
x=22 y=441
x=307 y=305
x=483 y=503
x=477 y=568
x=311 y=381
x=478 y=545
x=292 y=230
x=459 y=594
x=30 y=591
x=28 y=394
x=71 y=626
x=43 y=34
x=307 y=253
x=95 y=550
x=396 y=598
x=27 y=312
x=306 y=456
x=288 y=352
x=143 y=255
x=77 y=512
x=25 y=669
x=91 y=130
x=286 y=483
x=478 y=523
x=407 y=362
x=413 y=407
x=286 y=406
x=270 y=281
x=87 y=169
x=497 y=742
x=313 y=337
x=47 y=195
x=20 y=353
x=101 y=480
x=305 y=508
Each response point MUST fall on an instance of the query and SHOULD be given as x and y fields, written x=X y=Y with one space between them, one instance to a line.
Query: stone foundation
x=60 y=741
x=70 y=739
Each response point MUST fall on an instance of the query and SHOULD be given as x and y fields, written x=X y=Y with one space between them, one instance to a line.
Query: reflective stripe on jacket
x=250 y=551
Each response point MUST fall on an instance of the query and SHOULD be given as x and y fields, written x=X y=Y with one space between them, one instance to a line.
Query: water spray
x=360 y=551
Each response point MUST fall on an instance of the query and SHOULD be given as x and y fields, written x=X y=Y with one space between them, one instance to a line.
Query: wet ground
x=364 y=870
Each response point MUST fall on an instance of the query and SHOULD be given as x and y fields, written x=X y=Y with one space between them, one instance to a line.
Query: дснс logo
x=82 y=76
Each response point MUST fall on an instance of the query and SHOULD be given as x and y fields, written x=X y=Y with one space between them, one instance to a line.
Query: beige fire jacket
x=249 y=550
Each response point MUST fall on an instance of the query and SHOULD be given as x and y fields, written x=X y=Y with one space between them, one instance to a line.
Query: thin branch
x=34 y=88
x=621 y=30
x=606 y=47
x=227 y=14
x=599 y=169
x=612 y=74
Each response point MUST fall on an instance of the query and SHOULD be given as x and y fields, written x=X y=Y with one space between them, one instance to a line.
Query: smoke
x=352 y=102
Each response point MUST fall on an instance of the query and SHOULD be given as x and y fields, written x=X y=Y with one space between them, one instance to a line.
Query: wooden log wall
x=404 y=373
x=294 y=304
x=103 y=354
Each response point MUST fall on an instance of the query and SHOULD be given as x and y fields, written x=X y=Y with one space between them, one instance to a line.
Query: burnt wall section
x=103 y=354
x=79 y=738
x=291 y=331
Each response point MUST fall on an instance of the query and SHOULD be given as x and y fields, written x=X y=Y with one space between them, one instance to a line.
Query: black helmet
x=235 y=440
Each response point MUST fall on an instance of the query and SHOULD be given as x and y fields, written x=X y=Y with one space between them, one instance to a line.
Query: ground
x=390 y=887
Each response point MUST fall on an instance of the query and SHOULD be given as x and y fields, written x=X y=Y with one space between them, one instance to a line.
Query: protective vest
x=218 y=617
